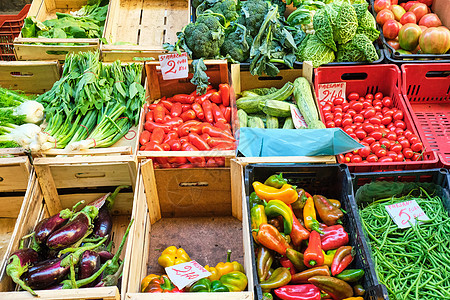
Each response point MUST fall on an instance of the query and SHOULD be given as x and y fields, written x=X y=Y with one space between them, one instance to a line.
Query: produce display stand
x=205 y=227
x=15 y=174
x=10 y=26
x=332 y=181
x=144 y=25
x=45 y=10
x=372 y=79
x=61 y=183
x=425 y=88
x=440 y=177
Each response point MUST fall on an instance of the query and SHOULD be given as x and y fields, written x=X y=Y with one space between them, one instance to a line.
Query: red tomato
x=375 y=120
x=400 y=124
x=416 y=147
x=338 y=115
x=347 y=122
x=407 y=152
x=386 y=159
x=351 y=112
x=372 y=158
x=349 y=130
x=330 y=124
x=386 y=120
x=345 y=106
x=360 y=134
x=416 y=157
x=393 y=155
x=408 y=133
x=338 y=122
x=391 y=135
x=387 y=101
x=397 y=148
x=376 y=134
x=353 y=135
x=353 y=96
x=329 y=117
x=380 y=152
x=400 y=157
x=378 y=96
x=369 y=113
x=369 y=140
x=398 y=131
x=337 y=108
x=341 y=158
x=366 y=104
x=369 y=96
x=377 y=103
x=326 y=107
x=364 y=152
x=368 y=127
x=385 y=142
x=356 y=159
x=362 y=99
x=357 y=106
x=414 y=139
x=378 y=108
x=375 y=146
x=338 y=101
x=398 y=115
x=404 y=142
x=358 y=118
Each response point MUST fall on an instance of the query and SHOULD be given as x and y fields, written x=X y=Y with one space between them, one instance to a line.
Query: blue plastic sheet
x=257 y=142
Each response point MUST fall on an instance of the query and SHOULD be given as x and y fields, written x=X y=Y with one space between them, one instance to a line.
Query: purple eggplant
x=103 y=223
x=47 y=275
x=73 y=231
x=105 y=256
x=19 y=263
x=89 y=264
x=40 y=264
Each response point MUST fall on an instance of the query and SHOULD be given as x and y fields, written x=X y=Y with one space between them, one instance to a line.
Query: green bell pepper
x=205 y=285
x=235 y=281
x=277 y=181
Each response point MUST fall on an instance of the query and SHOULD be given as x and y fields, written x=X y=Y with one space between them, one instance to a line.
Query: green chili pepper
x=276 y=208
x=255 y=200
x=351 y=275
x=277 y=181
x=279 y=277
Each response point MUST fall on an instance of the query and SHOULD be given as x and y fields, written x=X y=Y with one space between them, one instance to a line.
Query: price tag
x=174 y=66
x=297 y=118
x=407 y=212
x=186 y=274
x=329 y=91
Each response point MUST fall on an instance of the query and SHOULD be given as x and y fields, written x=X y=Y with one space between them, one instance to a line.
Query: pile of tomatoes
x=189 y=122
x=374 y=122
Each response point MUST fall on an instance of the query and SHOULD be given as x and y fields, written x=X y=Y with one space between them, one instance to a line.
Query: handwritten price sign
x=406 y=213
x=185 y=274
x=329 y=91
x=174 y=66
x=297 y=118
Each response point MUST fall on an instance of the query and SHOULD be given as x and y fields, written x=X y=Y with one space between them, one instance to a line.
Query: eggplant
x=108 y=199
x=103 y=223
x=47 y=275
x=89 y=264
x=73 y=231
x=105 y=256
x=40 y=264
x=18 y=264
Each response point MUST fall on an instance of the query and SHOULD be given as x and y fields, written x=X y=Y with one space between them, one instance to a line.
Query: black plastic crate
x=394 y=57
x=439 y=177
x=331 y=181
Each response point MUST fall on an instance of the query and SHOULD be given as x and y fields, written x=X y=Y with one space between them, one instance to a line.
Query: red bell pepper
x=207 y=109
x=167 y=104
x=342 y=258
x=298 y=292
x=145 y=137
x=287 y=264
x=218 y=115
x=176 y=109
x=224 y=89
x=159 y=113
x=333 y=237
x=313 y=256
x=150 y=126
x=183 y=98
x=198 y=142
x=215 y=98
x=198 y=110
x=298 y=233
x=188 y=115
x=157 y=135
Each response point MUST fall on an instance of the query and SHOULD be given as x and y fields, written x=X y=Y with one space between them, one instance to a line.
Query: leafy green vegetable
x=346 y=24
x=200 y=78
x=360 y=48
x=237 y=43
x=323 y=28
x=312 y=49
x=366 y=22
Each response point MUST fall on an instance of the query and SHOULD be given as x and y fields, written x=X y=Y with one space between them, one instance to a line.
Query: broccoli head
x=253 y=13
x=204 y=37
x=227 y=8
x=237 y=44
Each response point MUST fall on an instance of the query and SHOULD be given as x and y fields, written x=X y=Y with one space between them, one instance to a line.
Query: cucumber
x=251 y=104
x=305 y=101
x=276 y=108
x=243 y=118
x=255 y=122
x=258 y=92
x=317 y=124
x=288 y=123
x=271 y=122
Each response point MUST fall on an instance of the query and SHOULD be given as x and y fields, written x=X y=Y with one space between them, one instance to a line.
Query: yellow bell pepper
x=286 y=193
x=228 y=266
x=215 y=274
x=354 y=298
x=172 y=256
x=328 y=257
x=146 y=281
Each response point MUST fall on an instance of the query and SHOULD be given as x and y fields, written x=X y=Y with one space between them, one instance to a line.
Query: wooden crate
x=144 y=24
x=60 y=183
x=14 y=179
x=45 y=10
x=205 y=228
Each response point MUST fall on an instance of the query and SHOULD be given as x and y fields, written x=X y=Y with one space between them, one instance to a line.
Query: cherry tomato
x=372 y=158
x=408 y=133
x=385 y=142
x=358 y=118
x=362 y=99
x=416 y=157
x=357 y=106
x=338 y=115
x=338 y=101
x=338 y=122
x=349 y=130
x=380 y=152
x=341 y=158
x=368 y=127
x=393 y=155
x=353 y=96
x=326 y=107
x=353 y=135
x=337 y=108
x=369 y=113
x=407 y=152
x=367 y=104
x=416 y=147
x=404 y=142
x=400 y=157
x=377 y=103
x=356 y=159
x=329 y=117
x=378 y=108
x=350 y=155
x=330 y=124
x=369 y=140
x=385 y=159
x=387 y=101
x=386 y=120
x=351 y=112
x=398 y=131
x=391 y=135
x=375 y=120
x=378 y=96
x=397 y=148
x=414 y=139
x=364 y=152
x=360 y=134
x=345 y=106
x=347 y=121
x=369 y=96
x=400 y=124
x=375 y=146
x=398 y=115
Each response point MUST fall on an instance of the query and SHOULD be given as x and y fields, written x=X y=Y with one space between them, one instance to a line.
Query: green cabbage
x=323 y=28
x=312 y=49
x=346 y=24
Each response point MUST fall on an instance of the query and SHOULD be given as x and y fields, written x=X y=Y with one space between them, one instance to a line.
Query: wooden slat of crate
x=45 y=10
x=147 y=24
x=32 y=77
x=14 y=173
x=104 y=293
x=147 y=236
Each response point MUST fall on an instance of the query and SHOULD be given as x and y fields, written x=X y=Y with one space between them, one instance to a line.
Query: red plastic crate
x=373 y=79
x=426 y=89
x=10 y=27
